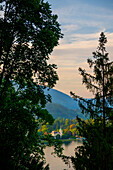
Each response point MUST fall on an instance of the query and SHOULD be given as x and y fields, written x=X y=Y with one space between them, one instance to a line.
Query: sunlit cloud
x=81 y=41
x=69 y=57
x=81 y=22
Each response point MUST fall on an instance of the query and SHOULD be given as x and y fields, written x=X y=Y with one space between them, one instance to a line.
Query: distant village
x=55 y=133
x=62 y=129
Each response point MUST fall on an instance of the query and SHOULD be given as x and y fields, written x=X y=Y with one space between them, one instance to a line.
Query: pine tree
x=97 y=150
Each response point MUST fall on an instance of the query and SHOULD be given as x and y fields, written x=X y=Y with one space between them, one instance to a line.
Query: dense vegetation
x=25 y=26
x=68 y=126
x=97 y=149
x=60 y=111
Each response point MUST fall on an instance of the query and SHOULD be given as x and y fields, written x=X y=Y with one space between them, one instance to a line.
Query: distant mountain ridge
x=62 y=98
x=58 y=110
x=62 y=105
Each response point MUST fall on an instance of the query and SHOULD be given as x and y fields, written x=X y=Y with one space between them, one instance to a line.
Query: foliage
x=69 y=130
x=25 y=26
x=97 y=149
x=18 y=130
x=24 y=43
x=58 y=110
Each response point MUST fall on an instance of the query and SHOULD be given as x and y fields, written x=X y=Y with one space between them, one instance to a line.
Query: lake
x=56 y=163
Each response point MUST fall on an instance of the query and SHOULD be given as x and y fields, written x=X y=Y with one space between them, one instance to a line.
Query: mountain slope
x=62 y=105
x=62 y=98
x=58 y=110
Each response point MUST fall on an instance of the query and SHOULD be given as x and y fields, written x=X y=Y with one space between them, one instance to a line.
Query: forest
x=25 y=123
x=69 y=128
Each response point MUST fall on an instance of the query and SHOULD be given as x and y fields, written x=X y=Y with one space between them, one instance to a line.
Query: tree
x=97 y=149
x=18 y=130
x=28 y=33
x=72 y=126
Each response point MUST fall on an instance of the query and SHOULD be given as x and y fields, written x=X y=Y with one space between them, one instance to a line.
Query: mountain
x=62 y=105
x=58 y=110
x=62 y=98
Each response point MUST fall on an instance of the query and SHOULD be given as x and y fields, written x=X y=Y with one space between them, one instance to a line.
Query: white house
x=55 y=133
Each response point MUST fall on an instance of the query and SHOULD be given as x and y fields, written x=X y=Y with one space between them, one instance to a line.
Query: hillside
x=62 y=105
x=62 y=99
x=58 y=110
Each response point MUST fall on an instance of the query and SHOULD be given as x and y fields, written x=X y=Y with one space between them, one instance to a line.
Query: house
x=55 y=133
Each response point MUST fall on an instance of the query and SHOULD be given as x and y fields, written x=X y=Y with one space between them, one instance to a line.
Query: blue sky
x=81 y=23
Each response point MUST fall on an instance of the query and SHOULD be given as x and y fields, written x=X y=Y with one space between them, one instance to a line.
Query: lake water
x=56 y=163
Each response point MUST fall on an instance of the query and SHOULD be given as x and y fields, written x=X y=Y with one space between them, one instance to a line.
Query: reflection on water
x=55 y=162
x=66 y=143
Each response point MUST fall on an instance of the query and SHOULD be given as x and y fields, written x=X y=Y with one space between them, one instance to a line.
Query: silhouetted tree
x=28 y=33
x=97 y=149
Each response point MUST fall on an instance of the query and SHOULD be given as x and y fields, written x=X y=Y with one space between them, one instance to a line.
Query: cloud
x=81 y=11
x=69 y=57
x=81 y=18
x=81 y=22
x=70 y=28
x=76 y=54
x=84 y=41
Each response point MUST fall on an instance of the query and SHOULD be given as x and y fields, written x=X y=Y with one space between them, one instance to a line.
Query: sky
x=81 y=23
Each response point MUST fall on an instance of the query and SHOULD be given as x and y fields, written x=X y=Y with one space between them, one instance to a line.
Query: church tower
x=60 y=131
